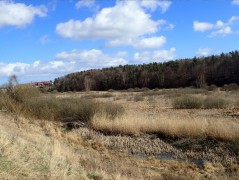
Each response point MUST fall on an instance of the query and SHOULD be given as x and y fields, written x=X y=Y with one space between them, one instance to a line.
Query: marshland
x=129 y=134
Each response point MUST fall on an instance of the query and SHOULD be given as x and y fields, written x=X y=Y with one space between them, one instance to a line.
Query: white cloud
x=235 y=2
x=19 y=14
x=77 y=60
x=219 y=24
x=12 y=68
x=125 y=20
x=152 y=5
x=152 y=42
x=155 y=56
x=233 y=19
x=220 y=28
x=204 y=51
x=45 y=39
x=143 y=43
x=223 y=31
x=89 y=59
x=202 y=26
x=37 y=68
x=85 y=3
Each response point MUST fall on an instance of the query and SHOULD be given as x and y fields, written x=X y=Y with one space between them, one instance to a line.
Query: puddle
x=166 y=156
x=169 y=156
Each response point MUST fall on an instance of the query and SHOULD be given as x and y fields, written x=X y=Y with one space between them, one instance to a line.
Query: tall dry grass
x=202 y=102
x=27 y=101
x=171 y=125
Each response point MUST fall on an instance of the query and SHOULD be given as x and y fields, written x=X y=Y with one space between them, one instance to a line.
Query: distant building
x=39 y=84
x=42 y=84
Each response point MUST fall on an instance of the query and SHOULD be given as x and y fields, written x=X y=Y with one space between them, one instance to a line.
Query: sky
x=45 y=39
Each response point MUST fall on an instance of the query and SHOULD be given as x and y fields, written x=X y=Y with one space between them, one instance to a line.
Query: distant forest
x=197 y=72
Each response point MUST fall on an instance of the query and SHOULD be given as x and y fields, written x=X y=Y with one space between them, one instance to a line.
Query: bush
x=212 y=87
x=26 y=100
x=150 y=93
x=214 y=102
x=230 y=87
x=111 y=110
x=22 y=93
x=138 y=97
x=103 y=95
x=65 y=109
x=188 y=102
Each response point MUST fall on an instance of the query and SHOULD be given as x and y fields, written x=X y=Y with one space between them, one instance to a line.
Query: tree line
x=197 y=72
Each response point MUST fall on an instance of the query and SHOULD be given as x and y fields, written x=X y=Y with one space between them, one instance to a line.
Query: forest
x=195 y=72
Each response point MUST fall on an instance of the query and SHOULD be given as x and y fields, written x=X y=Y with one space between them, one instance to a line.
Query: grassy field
x=134 y=134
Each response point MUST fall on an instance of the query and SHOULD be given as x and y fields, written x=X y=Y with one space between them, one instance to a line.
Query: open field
x=133 y=135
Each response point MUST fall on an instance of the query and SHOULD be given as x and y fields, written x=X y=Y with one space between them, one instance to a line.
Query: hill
x=197 y=72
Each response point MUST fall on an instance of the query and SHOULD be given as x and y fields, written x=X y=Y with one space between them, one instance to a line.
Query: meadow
x=182 y=133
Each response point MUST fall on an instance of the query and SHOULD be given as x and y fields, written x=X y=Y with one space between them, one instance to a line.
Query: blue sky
x=42 y=40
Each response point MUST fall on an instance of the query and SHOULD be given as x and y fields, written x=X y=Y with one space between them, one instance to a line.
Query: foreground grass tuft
x=27 y=101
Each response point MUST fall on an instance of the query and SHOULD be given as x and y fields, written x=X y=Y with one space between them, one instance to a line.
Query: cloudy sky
x=45 y=39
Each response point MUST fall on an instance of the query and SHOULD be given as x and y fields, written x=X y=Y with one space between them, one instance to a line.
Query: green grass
x=5 y=164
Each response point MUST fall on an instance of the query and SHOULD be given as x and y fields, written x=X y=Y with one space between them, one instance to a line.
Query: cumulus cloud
x=85 y=3
x=155 y=56
x=126 y=23
x=89 y=59
x=19 y=14
x=223 y=31
x=63 y=63
x=152 y=5
x=204 y=51
x=235 y=2
x=202 y=26
x=125 y=19
x=12 y=68
x=37 y=68
x=219 y=28
x=77 y=60
x=143 y=43
x=45 y=39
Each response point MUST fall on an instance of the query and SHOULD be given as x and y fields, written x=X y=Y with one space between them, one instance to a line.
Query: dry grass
x=40 y=150
x=154 y=115
x=169 y=124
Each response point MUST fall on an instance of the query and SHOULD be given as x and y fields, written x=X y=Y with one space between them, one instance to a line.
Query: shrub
x=111 y=90
x=230 y=87
x=61 y=109
x=151 y=93
x=212 y=87
x=103 y=95
x=188 y=102
x=22 y=93
x=111 y=110
x=214 y=102
x=138 y=97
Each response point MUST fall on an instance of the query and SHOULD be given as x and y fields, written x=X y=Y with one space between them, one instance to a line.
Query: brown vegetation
x=143 y=124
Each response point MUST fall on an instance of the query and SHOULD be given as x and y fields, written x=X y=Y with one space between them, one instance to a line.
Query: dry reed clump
x=60 y=109
x=138 y=97
x=188 y=102
x=171 y=126
x=192 y=102
x=26 y=100
x=99 y=95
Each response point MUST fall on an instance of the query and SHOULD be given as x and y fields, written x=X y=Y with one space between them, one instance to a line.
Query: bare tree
x=12 y=82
